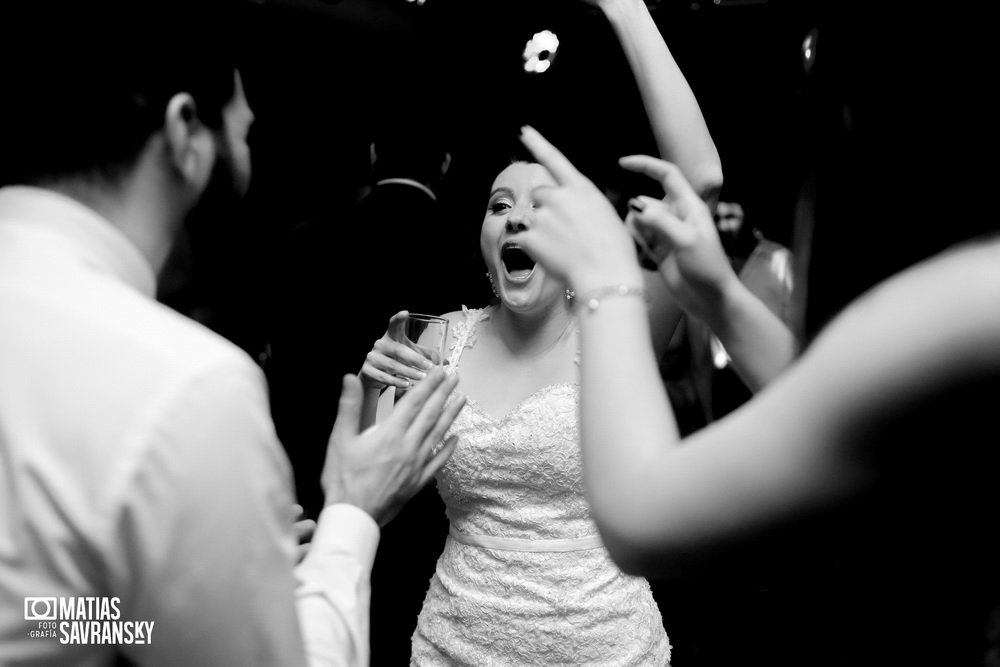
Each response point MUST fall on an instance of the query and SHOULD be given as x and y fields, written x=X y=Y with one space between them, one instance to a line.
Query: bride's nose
x=518 y=220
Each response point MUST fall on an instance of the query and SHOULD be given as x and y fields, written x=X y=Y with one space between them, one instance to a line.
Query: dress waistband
x=519 y=544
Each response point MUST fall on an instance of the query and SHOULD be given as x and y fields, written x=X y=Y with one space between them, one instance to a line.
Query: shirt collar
x=409 y=181
x=101 y=244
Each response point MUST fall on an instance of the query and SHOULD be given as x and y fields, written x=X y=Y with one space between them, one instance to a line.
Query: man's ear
x=445 y=163
x=372 y=155
x=190 y=144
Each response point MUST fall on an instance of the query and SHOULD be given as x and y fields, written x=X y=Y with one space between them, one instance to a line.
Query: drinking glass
x=427 y=335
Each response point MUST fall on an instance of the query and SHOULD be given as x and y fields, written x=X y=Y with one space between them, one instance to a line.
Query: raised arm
x=678 y=127
x=675 y=118
x=809 y=441
x=682 y=239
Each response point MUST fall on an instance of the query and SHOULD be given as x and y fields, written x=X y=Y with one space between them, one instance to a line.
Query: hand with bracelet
x=579 y=237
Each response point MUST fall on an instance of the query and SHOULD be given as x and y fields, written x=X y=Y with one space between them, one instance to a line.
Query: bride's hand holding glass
x=411 y=346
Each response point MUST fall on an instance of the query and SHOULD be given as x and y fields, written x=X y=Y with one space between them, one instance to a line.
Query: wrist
x=590 y=281
x=591 y=300
x=720 y=303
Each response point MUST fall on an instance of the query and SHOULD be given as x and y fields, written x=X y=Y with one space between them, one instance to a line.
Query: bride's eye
x=499 y=206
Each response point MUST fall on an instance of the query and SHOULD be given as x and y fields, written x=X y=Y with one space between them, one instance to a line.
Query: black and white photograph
x=498 y=333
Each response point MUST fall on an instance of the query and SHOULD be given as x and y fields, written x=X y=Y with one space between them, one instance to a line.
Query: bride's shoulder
x=467 y=316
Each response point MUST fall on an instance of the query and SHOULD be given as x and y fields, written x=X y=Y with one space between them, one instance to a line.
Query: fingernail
x=422 y=375
x=636 y=205
x=426 y=365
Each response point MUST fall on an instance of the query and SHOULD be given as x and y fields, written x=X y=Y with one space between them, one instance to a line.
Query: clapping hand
x=382 y=467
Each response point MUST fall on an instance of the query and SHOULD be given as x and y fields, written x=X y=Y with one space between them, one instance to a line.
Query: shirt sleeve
x=202 y=542
x=334 y=591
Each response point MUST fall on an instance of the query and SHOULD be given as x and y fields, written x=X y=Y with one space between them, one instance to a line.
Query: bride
x=524 y=577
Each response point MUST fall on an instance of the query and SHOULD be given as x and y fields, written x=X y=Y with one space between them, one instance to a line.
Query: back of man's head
x=88 y=82
x=408 y=144
x=414 y=157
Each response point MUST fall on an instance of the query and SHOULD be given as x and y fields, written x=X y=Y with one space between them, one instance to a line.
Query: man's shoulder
x=157 y=334
x=110 y=333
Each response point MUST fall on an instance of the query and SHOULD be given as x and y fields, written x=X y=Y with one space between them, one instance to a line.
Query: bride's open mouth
x=517 y=266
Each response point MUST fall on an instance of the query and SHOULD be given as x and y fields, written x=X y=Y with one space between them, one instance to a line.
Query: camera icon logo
x=40 y=609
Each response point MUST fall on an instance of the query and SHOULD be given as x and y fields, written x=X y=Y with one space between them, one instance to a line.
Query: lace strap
x=465 y=334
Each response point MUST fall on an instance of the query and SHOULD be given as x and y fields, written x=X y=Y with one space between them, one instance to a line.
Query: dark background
x=324 y=77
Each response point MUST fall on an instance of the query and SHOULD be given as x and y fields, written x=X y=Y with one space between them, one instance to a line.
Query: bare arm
x=807 y=442
x=675 y=117
x=681 y=237
x=678 y=127
x=760 y=345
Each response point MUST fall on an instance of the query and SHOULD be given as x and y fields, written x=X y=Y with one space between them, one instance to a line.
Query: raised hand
x=679 y=234
x=382 y=467
x=577 y=234
x=392 y=363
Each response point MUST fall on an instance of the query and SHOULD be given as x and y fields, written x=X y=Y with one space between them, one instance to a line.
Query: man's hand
x=303 y=527
x=381 y=468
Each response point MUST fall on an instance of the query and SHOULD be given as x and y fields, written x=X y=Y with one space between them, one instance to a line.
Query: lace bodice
x=520 y=477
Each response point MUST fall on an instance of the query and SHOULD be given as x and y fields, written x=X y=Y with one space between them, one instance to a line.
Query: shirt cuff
x=349 y=528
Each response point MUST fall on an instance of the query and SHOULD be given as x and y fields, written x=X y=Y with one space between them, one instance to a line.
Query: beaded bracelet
x=591 y=300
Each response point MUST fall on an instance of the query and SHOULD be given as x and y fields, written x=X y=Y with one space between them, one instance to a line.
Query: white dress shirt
x=138 y=460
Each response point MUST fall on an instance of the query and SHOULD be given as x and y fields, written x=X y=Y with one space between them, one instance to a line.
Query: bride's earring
x=493 y=285
x=570 y=295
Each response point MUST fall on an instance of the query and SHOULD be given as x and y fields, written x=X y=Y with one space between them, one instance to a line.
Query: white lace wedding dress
x=523 y=579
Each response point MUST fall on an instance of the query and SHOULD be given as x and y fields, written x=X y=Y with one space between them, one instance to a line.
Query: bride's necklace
x=562 y=334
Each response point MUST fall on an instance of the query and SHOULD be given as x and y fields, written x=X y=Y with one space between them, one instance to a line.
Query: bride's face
x=521 y=282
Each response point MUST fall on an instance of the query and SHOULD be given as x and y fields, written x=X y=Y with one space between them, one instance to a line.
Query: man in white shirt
x=145 y=501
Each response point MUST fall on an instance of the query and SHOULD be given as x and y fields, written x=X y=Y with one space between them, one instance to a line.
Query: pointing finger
x=668 y=174
x=656 y=219
x=550 y=157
